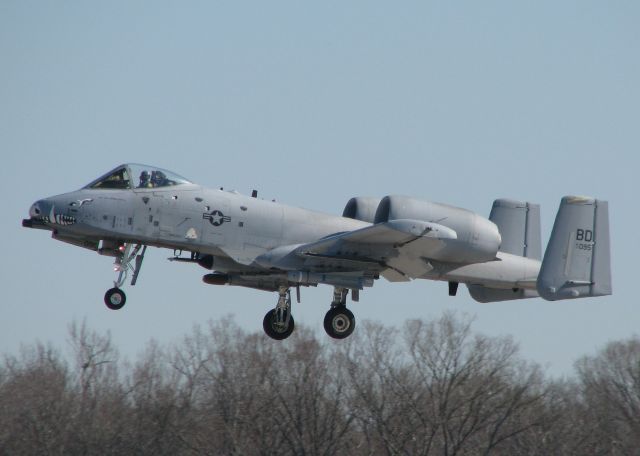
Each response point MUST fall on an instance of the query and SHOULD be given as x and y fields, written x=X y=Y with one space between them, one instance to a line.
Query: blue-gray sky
x=311 y=104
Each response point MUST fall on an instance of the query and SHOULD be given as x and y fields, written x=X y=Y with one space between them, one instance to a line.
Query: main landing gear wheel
x=339 y=322
x=115 y=298
x=275 y=329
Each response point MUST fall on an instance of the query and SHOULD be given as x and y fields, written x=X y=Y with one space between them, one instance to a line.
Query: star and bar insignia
x=216 y=217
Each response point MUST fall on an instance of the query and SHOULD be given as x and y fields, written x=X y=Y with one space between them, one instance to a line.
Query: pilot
x=144 y=179
x=158 y=179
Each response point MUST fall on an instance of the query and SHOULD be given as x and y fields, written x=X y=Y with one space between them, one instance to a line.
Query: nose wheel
x=115 y=298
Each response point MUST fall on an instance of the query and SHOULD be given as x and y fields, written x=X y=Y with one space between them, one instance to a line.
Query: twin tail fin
x=577 y=262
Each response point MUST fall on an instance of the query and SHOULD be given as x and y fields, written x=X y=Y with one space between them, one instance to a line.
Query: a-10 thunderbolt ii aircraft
x=249 y=242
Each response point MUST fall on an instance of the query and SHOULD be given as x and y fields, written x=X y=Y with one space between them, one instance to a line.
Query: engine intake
x=361 y=208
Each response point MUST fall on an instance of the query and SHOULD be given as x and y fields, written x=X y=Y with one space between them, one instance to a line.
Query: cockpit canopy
x=136 y=176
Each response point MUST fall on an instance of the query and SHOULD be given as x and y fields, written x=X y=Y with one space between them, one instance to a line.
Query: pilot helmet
x=158 y=177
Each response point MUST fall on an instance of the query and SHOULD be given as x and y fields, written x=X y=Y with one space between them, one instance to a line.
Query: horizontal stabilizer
x=577 y=262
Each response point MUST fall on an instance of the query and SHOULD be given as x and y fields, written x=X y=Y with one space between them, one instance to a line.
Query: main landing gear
x=278 y=323
x=115 y=298
x=339 y=321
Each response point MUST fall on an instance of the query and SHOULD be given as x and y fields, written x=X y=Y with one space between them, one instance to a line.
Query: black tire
x=275 y=331
x=115 y=298
x=339 y=322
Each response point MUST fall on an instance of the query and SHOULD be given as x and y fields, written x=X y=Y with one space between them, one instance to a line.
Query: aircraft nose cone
x=37 y=210
x=41 y=209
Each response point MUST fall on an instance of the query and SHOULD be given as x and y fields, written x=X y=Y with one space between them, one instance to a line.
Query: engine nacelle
x=361 y=208
x=478 y=239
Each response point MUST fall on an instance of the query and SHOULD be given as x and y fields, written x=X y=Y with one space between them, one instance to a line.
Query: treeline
x=427 y=388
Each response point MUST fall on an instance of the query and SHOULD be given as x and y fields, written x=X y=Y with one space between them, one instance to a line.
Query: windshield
x=137 y=176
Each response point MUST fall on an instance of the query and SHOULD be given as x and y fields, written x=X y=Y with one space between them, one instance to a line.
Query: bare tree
x=101 y=412
x=218 y=388
x=250 y=395
x=310 y=395
x=156 y=412
x=35 y=403
x=444 y=391
x=430 y=388
x=372 y=360
x=610 y=386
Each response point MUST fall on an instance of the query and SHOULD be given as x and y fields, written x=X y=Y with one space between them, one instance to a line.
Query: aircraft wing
x=399 y=249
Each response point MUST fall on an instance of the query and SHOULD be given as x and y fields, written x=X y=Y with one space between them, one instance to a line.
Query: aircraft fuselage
x=250 y=242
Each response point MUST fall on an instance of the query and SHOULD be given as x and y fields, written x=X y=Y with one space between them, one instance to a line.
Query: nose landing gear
x=115 y=298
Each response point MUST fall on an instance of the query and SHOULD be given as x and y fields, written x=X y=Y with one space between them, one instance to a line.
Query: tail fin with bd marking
x=577 y=262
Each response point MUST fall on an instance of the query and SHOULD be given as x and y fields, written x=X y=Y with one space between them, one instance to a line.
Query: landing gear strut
x=115 y=298
x=339 y=321
x=278 y=323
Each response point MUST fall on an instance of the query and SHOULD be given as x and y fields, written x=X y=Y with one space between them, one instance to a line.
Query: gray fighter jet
x=248 y=242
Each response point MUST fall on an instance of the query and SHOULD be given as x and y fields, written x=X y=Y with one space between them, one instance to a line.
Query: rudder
x=577 y=262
